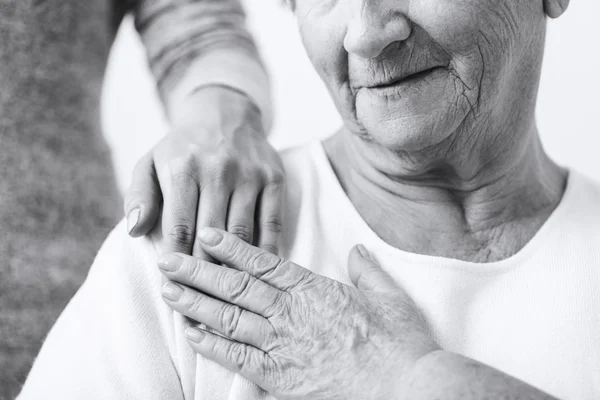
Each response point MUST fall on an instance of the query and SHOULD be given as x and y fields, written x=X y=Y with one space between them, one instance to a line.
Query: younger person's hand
x=214 y=169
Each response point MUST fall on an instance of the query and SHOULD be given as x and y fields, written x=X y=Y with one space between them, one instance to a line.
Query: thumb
x=366 y=274
x=555 y=8
x=142 y=199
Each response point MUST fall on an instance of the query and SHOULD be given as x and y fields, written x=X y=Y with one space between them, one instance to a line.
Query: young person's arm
x=215 y=167
x=192 y=44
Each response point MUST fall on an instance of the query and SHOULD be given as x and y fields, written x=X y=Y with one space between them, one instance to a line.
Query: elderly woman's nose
x=374 y=25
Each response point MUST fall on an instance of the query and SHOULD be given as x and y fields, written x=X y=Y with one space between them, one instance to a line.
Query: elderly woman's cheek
x=324 y=45
x=412 y=116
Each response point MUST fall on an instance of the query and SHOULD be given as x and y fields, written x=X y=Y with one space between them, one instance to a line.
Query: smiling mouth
x=407 y=79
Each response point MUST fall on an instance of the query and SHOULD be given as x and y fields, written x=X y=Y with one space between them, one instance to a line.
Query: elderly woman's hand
x=295 y=333
x=216 y=169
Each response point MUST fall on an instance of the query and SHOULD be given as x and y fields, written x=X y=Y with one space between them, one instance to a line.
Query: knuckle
x=253 y=176
x=221 y=169
x=276 y=178
x=182 y=234
x=181 y=175
x=238 y=286
x=242 y=231
x=194 y=304
x=271 y=248
x=195 y=271
x=230 y=319
x=218 y=180
x=234 y=250
x=263 y=263
x=272 y=375
x=237 y=354
x=280 y=306
x=273 y=224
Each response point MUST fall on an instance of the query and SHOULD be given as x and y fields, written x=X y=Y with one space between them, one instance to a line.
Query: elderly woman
x=484 y=254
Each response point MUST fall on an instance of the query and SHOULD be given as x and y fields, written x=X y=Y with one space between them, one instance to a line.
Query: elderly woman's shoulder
x=307 y=160
x=580 y=208
x=298 y=153
x=583 y=189
x=123 y=258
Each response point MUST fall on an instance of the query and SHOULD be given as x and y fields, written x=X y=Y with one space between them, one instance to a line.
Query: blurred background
x=568 y=107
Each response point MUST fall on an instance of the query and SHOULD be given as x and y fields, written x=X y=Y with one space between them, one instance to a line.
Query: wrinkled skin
x=438 y=101
x=488 y=55
x=295 y=333
x=215 y=168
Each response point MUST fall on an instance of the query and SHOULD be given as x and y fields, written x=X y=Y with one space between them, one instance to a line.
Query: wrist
x=216 y=109
x=229 y=69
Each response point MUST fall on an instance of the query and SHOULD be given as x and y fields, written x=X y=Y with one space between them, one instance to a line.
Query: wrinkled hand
x=215 y=169
x=294 y=333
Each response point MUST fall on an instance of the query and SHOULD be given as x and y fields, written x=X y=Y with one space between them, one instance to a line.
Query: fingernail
x=170 y=262
x=364 y=252
x=172 y=291
x=210 y=236
x=132 y=219
x=194 y=335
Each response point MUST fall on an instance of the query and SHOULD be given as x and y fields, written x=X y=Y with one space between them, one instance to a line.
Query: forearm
x=447 y=376
x=196 y=43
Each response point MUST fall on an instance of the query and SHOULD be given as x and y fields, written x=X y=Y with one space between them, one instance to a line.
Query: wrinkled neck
x=461 y=198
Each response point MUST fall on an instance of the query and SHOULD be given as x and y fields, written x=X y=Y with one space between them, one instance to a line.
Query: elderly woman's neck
x=480 y=208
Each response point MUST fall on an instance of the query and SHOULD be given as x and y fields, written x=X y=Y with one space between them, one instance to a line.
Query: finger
x=270 y=217
x=366 y=274
x=251 y=363
x=231 y=250
x=227 y=284
x=555 y=8
x=230 y=320
x=259 y=263
x=142 y=200
x=180 y=193
x=214 y=201
x=240 y=217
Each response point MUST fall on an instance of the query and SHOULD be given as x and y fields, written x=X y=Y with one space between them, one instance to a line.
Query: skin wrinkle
x=357 y=335
x=344 y=89
x=481 y=123
x=482 y=64
x=362 y=131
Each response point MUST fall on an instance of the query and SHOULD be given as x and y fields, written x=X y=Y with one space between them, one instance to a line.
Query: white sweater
x=535 y=315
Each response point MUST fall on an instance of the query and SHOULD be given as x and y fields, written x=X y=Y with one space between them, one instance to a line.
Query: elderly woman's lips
x=406 y=79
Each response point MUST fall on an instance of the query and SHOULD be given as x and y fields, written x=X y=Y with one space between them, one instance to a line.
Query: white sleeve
x=115 y=338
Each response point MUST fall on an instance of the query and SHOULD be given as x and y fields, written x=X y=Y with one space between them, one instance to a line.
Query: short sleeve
x=115 y=338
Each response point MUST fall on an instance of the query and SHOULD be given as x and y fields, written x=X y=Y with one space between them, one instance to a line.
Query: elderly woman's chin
x=412 y=115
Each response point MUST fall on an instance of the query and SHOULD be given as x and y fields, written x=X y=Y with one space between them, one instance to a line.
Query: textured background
x=568 y=108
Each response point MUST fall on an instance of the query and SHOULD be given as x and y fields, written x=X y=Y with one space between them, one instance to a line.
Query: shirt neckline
x=340 y=203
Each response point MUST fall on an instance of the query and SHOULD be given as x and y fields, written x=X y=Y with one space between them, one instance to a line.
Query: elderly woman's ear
x=555 y=8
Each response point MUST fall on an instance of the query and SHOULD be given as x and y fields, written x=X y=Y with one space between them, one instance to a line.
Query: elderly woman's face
x=408 y=73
